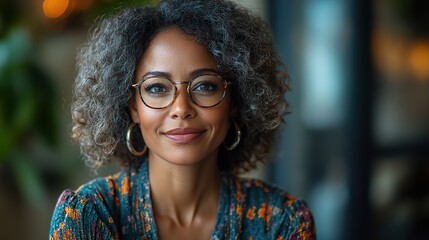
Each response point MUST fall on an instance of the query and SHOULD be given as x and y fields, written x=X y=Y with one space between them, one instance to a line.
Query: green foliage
x=27 y=106
x=27 y=111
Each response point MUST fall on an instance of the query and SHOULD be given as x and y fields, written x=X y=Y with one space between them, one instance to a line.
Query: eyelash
x=157 y=85
x=206 y=84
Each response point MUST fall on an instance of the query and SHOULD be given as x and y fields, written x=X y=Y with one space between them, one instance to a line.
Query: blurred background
x=356 y=145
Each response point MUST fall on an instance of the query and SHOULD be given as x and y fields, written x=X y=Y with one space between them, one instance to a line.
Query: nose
x=182 y=108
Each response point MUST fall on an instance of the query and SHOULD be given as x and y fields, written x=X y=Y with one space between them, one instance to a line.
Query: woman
x=185 y=95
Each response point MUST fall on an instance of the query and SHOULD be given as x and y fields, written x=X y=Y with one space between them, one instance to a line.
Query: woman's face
x=183 y=133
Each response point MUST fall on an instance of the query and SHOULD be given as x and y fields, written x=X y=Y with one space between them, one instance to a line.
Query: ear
x=134 y=113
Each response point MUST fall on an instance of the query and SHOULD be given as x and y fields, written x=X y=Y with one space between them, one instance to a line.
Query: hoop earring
x=236 y=140
x=130 y=144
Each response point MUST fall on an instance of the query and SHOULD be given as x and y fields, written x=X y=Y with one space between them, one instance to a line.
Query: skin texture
x=184 y=175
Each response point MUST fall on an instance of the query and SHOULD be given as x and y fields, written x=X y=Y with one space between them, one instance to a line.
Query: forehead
x=175 y=52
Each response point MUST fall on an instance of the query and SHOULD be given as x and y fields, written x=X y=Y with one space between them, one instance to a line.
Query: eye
x=205 y=87
x=155 y=88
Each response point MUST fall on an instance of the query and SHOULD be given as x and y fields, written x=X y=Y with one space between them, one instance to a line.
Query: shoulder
x=90 y=211
x=272 y=210
x=259 y=192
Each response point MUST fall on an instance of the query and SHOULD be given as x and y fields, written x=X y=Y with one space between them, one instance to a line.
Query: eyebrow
x=156 y=74
x=203 y=71
x=195 y=73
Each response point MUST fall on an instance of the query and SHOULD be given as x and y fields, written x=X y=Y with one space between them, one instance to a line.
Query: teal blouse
x=120 y=207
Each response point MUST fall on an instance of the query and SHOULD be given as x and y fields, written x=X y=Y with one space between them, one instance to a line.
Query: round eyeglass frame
x=226 y=84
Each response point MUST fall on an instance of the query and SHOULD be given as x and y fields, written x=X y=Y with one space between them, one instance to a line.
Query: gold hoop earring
x=130 y=144
x=236 y=140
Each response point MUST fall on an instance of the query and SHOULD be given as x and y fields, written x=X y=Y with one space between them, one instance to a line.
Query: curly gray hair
x=242 y=46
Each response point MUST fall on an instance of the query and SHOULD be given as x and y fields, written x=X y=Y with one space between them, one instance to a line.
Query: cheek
x=150 y=119
x=222 y=112
x=220 y=118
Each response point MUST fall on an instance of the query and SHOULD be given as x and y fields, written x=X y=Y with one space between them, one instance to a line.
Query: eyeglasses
x=205 y=90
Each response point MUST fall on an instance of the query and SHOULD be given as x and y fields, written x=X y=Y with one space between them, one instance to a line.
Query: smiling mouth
x=184 y=135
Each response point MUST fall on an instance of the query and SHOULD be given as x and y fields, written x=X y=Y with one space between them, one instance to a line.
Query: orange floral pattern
x=251 y=213
x=119 y=207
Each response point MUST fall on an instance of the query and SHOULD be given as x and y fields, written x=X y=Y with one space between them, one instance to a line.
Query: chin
x=187 y=157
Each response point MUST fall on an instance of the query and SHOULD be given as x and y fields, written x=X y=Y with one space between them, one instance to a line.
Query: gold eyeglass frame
x=226 y=84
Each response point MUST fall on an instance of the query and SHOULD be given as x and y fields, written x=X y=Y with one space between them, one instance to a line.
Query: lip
x=184 y=135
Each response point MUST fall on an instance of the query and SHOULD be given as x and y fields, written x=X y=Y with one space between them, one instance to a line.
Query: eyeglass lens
x=204 y=90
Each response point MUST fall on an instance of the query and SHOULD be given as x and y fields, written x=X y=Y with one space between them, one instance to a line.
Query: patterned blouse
x=119 y=207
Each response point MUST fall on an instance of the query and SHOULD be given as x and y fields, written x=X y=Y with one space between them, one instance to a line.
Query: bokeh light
x=419 y=60
x=55 y=8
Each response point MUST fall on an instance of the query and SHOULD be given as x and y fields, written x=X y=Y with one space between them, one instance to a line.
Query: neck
x=182 y=193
